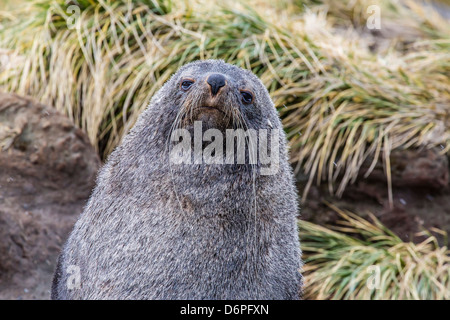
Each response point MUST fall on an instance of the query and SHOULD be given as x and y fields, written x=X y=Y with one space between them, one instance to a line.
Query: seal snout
x=215 y=82
x=213 y=100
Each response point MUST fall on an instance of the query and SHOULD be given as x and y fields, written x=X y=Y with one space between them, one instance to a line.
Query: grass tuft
x=364 y=260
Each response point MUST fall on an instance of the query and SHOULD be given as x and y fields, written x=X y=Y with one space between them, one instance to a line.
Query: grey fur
x=154 y=230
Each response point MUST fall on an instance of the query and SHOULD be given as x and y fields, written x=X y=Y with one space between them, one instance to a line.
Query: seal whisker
x=253 y=166
x=175 y=125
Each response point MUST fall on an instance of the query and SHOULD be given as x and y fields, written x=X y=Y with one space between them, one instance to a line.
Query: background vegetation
x=346 y=95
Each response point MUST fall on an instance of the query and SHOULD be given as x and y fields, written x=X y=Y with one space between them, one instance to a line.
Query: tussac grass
x=341 y=104
x=339 y=262
x=342 y=100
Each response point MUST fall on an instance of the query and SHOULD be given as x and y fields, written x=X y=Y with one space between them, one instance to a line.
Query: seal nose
x=216 y=81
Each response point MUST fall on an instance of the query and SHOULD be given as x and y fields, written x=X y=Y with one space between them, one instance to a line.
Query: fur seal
x=155 y=229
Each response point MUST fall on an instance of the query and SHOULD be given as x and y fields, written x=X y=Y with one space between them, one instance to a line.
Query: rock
x=47 y=171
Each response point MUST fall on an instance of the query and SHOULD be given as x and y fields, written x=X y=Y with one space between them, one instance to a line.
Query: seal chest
x=198 y=202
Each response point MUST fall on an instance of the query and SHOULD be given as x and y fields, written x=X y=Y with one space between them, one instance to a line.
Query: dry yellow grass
x=364 y=260
x=340 y=102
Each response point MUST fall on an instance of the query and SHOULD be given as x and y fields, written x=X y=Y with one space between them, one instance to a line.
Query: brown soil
x=47 y=171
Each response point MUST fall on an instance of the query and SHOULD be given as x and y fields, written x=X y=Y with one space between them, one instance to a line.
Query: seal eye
x=186 y=84
x=247 y=97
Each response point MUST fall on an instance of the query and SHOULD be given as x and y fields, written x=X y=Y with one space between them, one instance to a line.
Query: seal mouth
x=212 y=116
x=212 y=108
